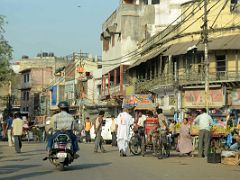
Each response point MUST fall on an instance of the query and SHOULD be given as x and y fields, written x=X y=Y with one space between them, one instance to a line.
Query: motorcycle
x=61 y=154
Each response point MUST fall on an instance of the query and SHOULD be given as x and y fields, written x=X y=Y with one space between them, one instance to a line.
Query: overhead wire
x=138 y=53
x=183 y=21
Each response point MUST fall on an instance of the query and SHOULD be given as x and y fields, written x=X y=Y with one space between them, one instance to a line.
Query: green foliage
x=5 y=55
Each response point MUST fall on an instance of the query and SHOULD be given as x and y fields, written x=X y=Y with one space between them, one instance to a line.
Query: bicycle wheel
x=135 y=145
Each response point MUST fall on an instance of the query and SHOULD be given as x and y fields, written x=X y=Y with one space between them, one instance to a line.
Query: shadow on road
x=86 y=166
x=26 y=175
x=14 y=168
x=16 y=160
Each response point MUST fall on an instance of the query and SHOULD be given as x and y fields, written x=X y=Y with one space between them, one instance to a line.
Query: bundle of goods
x=218 y=131
x=230 y=158
x=194 y=130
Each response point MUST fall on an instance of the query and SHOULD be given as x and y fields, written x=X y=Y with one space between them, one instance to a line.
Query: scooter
x=61 y=154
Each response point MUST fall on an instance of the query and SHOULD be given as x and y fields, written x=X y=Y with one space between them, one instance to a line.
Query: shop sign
x=196 y=98
x=236 y=97
x=134 y=100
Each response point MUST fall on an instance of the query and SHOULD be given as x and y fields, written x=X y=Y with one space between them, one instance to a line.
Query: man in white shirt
x=123 y=123
x=17 y=131
x=204 y=121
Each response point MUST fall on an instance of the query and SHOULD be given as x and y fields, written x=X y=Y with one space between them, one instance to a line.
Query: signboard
x=54 y=95
x=196 y=98
x=134 y=100
x=236 y=97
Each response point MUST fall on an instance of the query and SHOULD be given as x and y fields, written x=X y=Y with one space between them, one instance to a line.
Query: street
x=91 y=166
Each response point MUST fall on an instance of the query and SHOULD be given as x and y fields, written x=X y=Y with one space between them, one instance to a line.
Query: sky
x=59 y=26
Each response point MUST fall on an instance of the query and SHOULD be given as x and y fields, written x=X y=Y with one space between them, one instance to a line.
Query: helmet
x=63 y=105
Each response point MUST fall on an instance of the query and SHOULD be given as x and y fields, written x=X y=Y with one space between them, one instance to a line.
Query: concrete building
x=133 y=22
x=33 y=82
x=172 y=65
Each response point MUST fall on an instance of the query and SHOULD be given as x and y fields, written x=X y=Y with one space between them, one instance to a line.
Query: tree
x=5 y=55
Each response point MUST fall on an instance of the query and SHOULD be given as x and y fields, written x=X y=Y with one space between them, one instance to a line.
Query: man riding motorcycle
x=63 y=121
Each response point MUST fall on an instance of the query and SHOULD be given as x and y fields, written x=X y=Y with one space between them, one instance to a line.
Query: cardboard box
x=231 y=160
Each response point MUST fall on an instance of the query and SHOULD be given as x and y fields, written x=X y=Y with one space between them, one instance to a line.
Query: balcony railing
x=115 y=91
x=186 y=78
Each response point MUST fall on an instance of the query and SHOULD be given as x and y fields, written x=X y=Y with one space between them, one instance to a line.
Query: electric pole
x=206 y=61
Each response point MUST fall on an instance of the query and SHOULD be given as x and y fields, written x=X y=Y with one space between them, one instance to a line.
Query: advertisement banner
x=134 y=100
x=196 y=98
x=236 y=97
x=54 y=95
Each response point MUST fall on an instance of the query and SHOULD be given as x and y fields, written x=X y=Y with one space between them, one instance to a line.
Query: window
x=155 y=1
x=220 y=63
x=113 y=40
x=27 y=95
x=105 y=44
x=26 y=78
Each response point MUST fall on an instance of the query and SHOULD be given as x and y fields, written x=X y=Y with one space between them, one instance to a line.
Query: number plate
x=61 y=155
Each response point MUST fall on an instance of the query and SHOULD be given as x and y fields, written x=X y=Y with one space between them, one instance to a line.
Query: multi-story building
x=122 y=34
x=33 y=82
x=172 y=65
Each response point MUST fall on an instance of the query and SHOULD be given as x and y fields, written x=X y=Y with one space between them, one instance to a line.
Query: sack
x=194 y=131
x=214 y=158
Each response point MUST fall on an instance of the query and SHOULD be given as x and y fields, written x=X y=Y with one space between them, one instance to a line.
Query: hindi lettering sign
x=134 y=100
x=196 y=98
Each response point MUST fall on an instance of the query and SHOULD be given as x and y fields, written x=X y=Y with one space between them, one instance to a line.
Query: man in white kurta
x=123 y=123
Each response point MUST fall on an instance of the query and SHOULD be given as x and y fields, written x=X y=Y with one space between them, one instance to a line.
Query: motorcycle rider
x=63 y=121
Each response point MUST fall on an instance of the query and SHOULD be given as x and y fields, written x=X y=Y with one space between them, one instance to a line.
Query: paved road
x=108 y=166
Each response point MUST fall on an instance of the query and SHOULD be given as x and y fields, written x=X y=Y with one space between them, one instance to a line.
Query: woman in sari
x=185 y=139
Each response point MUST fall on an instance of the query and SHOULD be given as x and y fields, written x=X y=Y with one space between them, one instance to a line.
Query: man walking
x=113 y=131
x=123 y=123
x=9 y=129
x=87 y=126
x=204 y=121
x=17 y=131
x=98 y=130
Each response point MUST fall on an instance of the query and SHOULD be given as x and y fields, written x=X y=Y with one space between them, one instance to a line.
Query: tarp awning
x=223 y=43
x=153 y=53
x=150 y=107
x=179 y=48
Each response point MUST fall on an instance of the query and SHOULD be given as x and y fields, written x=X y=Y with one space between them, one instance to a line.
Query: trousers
x=204 y=142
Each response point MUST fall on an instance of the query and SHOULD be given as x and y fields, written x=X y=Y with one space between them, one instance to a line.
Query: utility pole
x=206 y=60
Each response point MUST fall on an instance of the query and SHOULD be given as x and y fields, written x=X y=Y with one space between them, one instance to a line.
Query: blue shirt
x=9 y=122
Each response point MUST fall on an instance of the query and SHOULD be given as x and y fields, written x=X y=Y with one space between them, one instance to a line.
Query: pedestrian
x=88 y=125
x=9 y=129
x=98 y=130
x=113 y=131
x=123 y=123
x=185 y=139
x=162 y=120
x=204 y=121
x=17 y=131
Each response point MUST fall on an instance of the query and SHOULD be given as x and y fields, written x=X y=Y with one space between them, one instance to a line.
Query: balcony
x=27 y=85
x=114 y=91
x=185 y=79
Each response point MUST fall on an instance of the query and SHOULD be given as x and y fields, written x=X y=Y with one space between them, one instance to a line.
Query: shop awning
x=223 y=43
x=179 y=48
x=150 y=107
x=153 y=53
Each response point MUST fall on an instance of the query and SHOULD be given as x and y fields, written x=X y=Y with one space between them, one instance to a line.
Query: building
x=33 y=82
x=172 y=65
x=123 y=37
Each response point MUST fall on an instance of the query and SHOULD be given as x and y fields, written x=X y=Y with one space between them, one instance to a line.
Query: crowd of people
x=120 y=130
